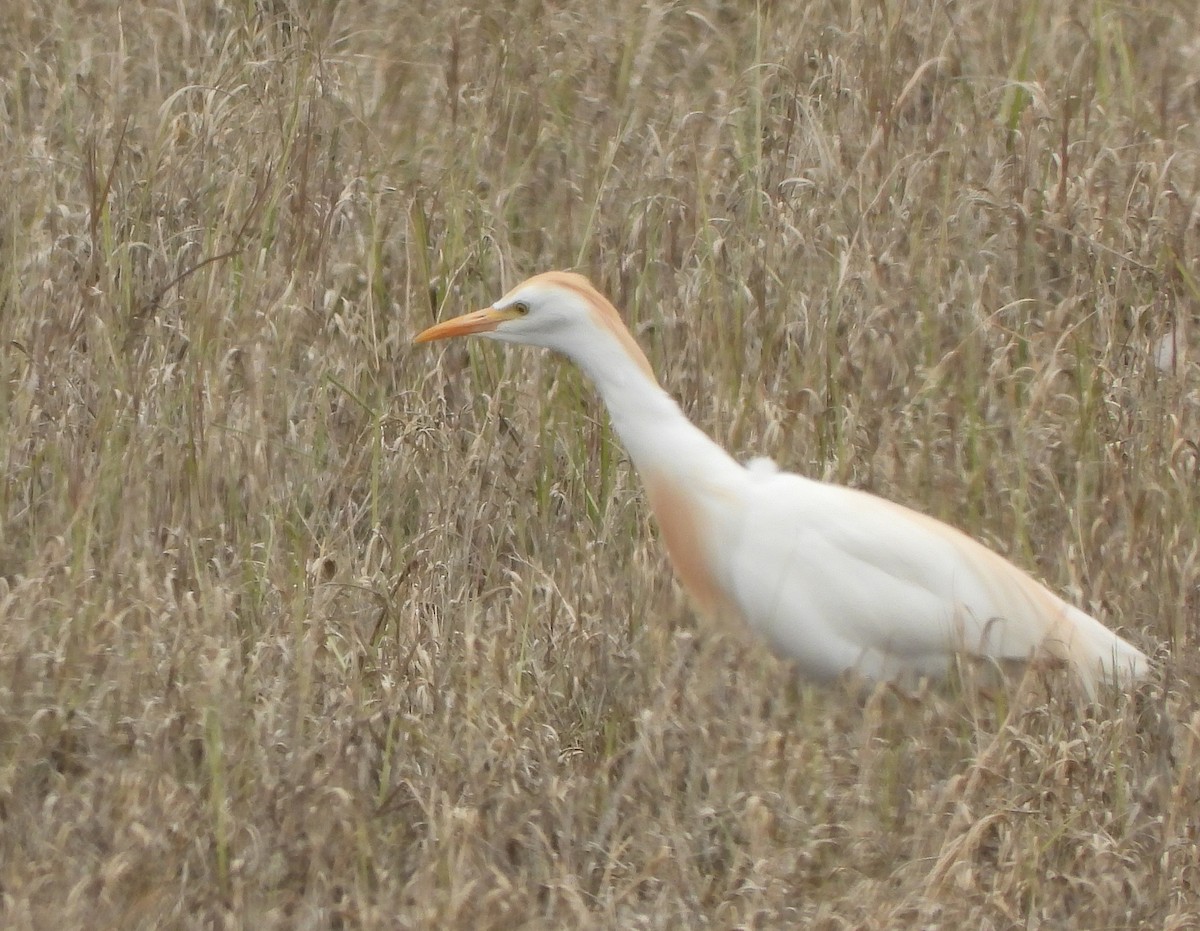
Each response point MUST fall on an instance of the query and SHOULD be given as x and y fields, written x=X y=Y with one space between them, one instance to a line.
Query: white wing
x=841 y=579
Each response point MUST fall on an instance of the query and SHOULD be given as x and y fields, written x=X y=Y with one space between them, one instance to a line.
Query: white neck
x=658 y=437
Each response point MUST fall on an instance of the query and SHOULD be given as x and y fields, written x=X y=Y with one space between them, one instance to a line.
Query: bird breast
x=686 y=522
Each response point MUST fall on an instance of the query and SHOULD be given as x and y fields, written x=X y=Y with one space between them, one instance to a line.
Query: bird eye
x=520 y=307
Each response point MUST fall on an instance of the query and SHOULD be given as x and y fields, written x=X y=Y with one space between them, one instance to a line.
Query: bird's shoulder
x=839 y=513
x=762 y=465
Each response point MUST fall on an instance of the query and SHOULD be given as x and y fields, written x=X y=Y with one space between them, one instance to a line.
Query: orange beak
x=481 y=321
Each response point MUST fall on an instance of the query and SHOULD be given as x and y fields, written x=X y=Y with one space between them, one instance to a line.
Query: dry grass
x=301 y=627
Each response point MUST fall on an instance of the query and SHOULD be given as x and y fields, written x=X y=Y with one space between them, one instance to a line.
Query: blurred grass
x=303 y=627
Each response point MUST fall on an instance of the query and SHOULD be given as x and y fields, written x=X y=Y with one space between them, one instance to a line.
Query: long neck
x=655 y=432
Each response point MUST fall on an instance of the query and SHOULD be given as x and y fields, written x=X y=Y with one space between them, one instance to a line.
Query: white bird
x=837 y=579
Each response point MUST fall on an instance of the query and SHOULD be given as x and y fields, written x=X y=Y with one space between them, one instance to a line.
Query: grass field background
x=304 y=627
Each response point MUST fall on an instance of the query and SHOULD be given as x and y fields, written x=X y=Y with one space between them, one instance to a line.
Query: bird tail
x=1098 y=655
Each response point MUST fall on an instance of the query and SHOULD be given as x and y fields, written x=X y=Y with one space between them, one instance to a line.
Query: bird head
x=554 y=310
x=547 y=310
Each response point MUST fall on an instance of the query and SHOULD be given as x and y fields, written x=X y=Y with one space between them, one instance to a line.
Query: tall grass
x=301 y=626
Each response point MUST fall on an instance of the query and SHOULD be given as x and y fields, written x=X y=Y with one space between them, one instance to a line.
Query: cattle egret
x=836 y=579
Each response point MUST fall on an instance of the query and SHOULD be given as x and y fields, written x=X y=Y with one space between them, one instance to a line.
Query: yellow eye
x=520 y=307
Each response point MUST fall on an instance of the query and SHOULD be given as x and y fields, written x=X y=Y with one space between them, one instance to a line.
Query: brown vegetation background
x=303 y=627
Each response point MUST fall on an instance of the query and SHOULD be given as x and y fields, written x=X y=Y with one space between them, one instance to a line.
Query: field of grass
x=302 y=626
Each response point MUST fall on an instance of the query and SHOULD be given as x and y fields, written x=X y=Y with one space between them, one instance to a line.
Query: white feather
x=837 y=579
